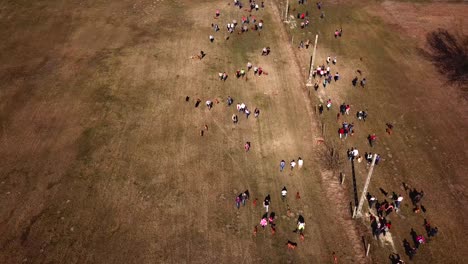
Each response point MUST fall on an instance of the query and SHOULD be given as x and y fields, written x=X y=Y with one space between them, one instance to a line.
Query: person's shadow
x=414 y=236
x=408 y=249
x=395 y=258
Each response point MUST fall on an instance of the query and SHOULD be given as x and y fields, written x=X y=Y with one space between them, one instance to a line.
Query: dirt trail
x=334 y=191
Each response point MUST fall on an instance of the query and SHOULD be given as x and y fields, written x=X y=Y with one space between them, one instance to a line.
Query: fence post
x=309 y=81
x=286 y=12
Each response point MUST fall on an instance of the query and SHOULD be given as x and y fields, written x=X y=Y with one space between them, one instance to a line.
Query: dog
x=291 y=245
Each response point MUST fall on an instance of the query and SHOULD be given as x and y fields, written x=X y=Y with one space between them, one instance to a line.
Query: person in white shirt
x=247 y=112
x=209 y=104
x=242 y=107
x=284 y=192
x=293 y=164
x=211 y=38
x=300 y=162
x=355 y=153
x=398 y=202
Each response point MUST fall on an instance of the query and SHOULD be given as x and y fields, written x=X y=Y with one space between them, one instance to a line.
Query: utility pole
x=366 y=185
x=286 y=12
x=311 y=68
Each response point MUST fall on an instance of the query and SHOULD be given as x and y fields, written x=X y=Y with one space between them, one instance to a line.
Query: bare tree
x=449 y=53
x=331 y=157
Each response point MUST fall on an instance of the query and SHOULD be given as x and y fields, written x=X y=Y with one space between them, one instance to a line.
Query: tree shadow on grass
x=449 y=53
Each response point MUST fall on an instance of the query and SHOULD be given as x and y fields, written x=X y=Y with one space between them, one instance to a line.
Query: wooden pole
x=342 y=178
x=368 y=249
x=286 y=12
x=366 y=185
x=309 y=82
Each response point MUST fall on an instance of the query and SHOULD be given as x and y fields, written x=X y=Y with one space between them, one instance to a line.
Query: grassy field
x=103 y=162
x=403 y=89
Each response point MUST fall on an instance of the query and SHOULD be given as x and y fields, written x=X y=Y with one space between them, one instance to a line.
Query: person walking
x=234 y=119
x=282 y=164
x=266 y=203
x=238 y=201
x=300 y=224
x=336 y=76
x=256 y=112
x=284 y=192
x=264 y=222
x=247 y=146
x=244 y=198
x=341 y=132
x=209 y=104
x=363 y=82
x=398 y=202
x=372 y=138
x=300 y=162
x=293 y=164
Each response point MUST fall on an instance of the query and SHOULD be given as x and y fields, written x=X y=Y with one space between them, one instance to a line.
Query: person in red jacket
x=341 y=132
x=372 y=138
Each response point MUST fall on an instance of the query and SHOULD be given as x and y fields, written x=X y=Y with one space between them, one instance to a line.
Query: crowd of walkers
x=251 y=22
x=380 y=210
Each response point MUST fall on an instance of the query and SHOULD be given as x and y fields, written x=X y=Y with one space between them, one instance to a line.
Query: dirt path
x=329 y=181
